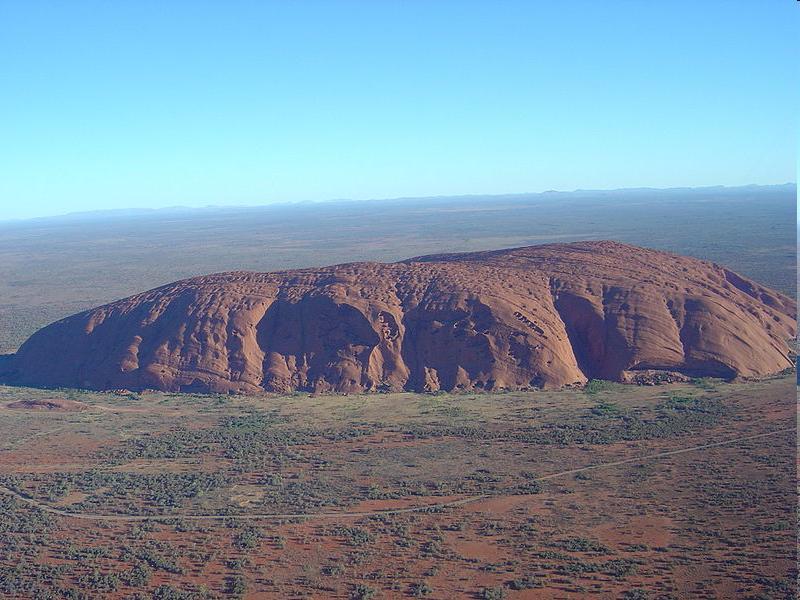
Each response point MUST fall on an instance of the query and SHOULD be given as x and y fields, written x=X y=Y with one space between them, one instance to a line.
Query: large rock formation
x=541 y=316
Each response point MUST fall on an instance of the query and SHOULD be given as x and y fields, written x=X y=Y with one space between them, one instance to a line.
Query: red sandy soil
x=541 y=316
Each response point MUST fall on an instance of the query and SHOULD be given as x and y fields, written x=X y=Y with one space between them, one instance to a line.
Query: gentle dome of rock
x=536 y=317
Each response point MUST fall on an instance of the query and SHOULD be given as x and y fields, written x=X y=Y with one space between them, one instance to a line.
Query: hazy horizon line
x=136 y=211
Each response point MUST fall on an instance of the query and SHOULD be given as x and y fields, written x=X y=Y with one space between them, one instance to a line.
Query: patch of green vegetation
x=236 y=586
x=525 y=583
x=362 y=592
x=674 y=416
x=136 y=576
x=619 y=568
x=246 y=538
x=354 y=536
x=168 y=592
x=579 y=544
x=98 y=581
x=332 y=570
x=526 y=487
x=605 y=408
x=30 y=580
x=706 y=383
x=162 y=490
x=596 y=386
x=493 y=593
x=19 y=518
x=420 y=589
x=156 y=555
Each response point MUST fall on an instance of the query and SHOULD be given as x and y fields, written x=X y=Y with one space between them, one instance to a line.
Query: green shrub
x=236 y=585
x=362 y=592
x=247 y=538
x=525 y=583
x=595 y=386
x=495 y=593
x=420 y=589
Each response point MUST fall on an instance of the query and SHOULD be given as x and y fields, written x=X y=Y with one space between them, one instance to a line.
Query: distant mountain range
x=622 y=192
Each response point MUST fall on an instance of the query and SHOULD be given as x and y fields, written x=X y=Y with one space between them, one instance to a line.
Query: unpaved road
x=392 y=511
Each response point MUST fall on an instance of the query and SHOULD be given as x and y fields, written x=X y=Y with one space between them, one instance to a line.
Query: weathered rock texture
x=541 y=316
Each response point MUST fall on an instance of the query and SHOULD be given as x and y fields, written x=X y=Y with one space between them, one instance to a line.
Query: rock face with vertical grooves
x=535 y=317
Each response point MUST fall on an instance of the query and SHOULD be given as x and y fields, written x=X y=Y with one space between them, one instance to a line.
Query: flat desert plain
x=671 y=491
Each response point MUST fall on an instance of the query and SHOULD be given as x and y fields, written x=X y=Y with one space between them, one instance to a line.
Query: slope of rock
x=539 y=316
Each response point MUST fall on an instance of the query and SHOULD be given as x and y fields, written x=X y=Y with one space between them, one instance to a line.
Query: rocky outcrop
x=536 y=317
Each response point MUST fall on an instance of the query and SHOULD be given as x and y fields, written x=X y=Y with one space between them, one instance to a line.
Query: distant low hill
x=534 y=317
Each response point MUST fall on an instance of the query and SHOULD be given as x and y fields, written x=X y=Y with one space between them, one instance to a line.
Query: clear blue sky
x=155 y=103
